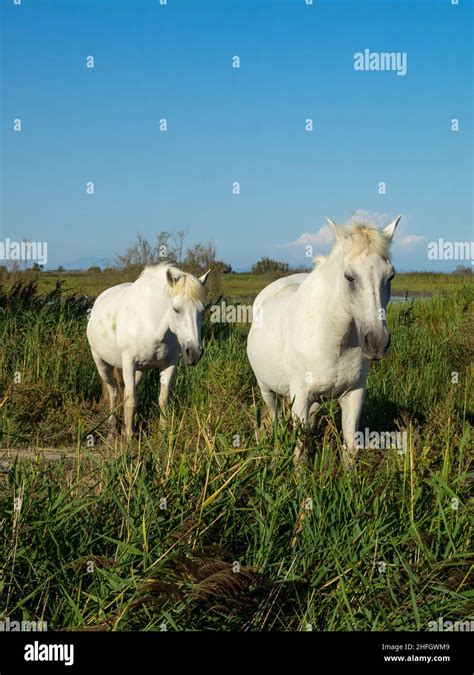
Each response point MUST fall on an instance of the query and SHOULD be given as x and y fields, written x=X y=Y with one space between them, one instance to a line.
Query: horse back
x=280 y=288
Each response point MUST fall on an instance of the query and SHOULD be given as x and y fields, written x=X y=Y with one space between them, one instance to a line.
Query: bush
x=269 y=265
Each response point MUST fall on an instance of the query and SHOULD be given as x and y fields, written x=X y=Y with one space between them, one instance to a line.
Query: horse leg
x=270 y=399
x=129 y=398
x=300 y=410
x=351 y=406
x=313 y=415
x=106 y=373
x=268 y=416
x=166 y=377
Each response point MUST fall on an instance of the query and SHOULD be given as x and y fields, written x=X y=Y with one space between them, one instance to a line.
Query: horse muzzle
x=375 y=345
x=192 y=355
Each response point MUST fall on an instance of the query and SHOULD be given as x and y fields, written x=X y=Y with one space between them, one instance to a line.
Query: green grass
x=154 y=533
x=232 y=286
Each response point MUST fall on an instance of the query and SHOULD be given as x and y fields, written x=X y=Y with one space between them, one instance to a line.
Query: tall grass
x=204 y=524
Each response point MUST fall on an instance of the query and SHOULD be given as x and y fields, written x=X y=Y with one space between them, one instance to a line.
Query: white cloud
x=323 y=237
x=408 y=242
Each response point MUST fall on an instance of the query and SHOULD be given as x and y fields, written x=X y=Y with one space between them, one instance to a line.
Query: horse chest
x=351 y=372
x=334 y=378
x=153 y=354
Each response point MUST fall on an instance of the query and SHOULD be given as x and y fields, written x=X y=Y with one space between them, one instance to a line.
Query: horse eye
x=391 y=276
x=349 y=278
x=176 y=310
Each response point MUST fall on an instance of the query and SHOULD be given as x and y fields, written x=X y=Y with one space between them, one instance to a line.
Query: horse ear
x=335 y=228
x=390 y=229
x=203 y=279
x=170 y=278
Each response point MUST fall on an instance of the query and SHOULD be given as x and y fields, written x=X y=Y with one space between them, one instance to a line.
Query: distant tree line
x=171 y=248
x=265 y=265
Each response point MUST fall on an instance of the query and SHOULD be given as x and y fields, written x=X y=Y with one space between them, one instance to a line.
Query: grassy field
x=204 y=525
x=234 y=285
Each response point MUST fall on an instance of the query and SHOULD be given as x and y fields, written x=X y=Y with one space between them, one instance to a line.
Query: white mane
x=185 y=285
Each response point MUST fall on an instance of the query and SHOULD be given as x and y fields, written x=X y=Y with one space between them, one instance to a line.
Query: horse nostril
x=366 y=339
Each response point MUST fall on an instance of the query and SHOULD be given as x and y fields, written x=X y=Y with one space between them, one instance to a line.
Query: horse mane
x=359 y=238
x=368 y=239
x=189 y=287
x=186 y=285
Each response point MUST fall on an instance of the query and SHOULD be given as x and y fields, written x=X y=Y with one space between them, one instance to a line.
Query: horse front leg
x=106 y=372
x=300 y=410
x=351 y=407
x=166 y=377
x=129 y=397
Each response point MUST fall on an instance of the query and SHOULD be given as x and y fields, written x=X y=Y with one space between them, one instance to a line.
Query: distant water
x=399 y=297
x=409 y=296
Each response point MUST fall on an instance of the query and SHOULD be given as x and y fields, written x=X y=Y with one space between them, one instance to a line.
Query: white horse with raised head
x=317 y=333
x=146 y=324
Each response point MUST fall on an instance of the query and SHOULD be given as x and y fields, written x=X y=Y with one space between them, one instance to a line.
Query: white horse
x=145 y=324
x=317 y=333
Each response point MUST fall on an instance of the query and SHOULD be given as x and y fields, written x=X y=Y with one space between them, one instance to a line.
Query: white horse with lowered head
x=146 y=324
x=317 y=333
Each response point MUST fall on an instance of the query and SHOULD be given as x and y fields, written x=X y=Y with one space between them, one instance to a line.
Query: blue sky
x=226 y=124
